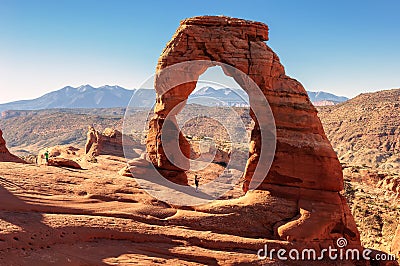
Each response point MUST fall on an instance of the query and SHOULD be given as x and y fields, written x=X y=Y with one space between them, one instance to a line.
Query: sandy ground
x=61 y=216
x=93 y=216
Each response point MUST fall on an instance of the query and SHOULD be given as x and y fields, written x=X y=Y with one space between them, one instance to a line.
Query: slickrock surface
x=5 y=155
x=59 y=216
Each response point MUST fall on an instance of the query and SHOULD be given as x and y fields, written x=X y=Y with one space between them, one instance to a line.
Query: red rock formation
x=138 y=165
x=107 y=143
x=91 y=147
x=305 y=169
x=5 y=155
x=63 y=162
x=301 y=142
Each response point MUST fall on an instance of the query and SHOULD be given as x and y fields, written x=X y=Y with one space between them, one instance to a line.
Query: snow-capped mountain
x=325 y=98
x=219 y=97
x=86 y=96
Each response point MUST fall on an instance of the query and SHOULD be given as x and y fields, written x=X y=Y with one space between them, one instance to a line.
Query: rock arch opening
x=168 y=148
x=216 y=122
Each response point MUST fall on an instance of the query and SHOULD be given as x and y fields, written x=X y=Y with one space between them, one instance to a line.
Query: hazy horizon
x=344 y=48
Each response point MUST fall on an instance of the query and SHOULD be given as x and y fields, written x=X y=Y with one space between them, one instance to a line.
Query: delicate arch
x=304 y=157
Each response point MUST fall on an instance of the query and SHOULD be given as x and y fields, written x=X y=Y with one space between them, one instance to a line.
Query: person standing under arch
x=196 y=182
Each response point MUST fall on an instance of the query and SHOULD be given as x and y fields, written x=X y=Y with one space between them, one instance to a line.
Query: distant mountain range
x=82 y=97
x=209 y=96
x=87 y=96
x=321 y=98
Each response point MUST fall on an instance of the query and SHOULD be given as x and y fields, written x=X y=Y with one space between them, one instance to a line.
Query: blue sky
x=343 y=47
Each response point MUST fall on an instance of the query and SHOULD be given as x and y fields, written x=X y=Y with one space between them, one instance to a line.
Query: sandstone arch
x=301 y=141
x=305 y=168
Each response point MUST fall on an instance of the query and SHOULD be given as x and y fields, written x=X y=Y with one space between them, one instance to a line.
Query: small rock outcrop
x=138 y=165
x=212 y=153
x=60 y=156
x=65 y=151
x=63 y=162
x=5 y=155
x=107 y=143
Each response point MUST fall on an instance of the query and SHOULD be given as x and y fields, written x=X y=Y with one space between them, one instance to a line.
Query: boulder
x=63 y=162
